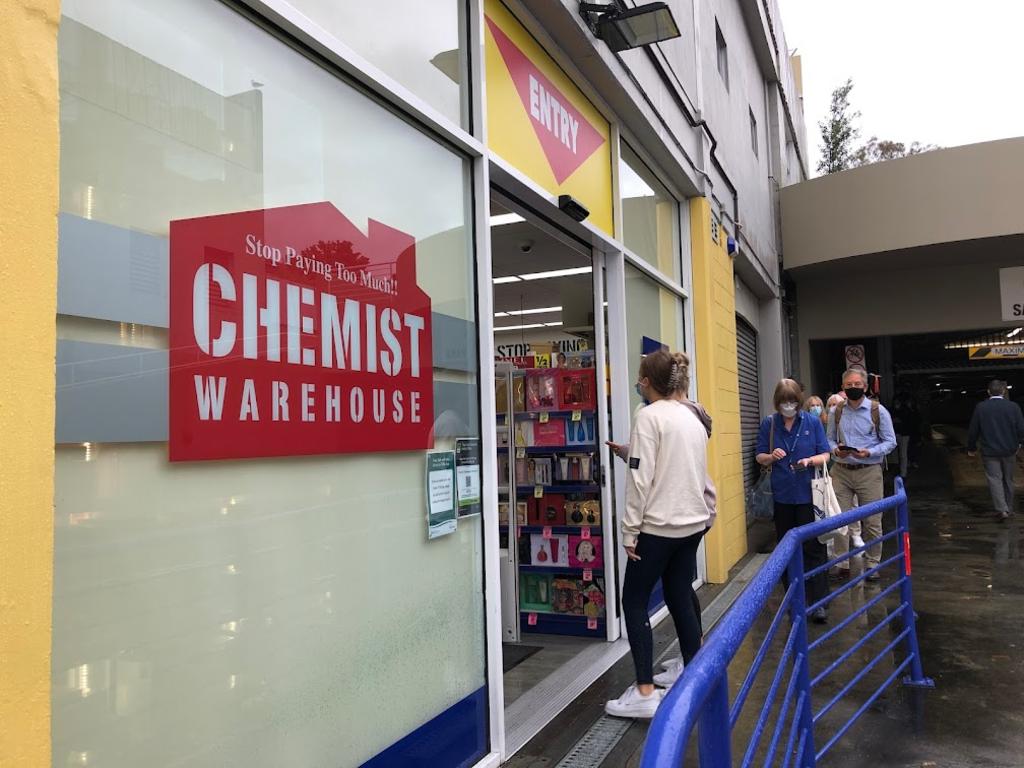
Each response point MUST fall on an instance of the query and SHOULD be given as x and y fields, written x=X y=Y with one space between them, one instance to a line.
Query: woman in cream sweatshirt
x=666 y=516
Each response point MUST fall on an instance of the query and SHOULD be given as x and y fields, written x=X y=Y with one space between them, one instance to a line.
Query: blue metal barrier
x=700 y=698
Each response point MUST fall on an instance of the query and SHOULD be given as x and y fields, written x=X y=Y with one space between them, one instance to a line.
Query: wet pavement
x=969 y=594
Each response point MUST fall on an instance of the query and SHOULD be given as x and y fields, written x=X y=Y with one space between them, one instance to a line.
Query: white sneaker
x=633 y=704
x=673 y=669
x=856 y=541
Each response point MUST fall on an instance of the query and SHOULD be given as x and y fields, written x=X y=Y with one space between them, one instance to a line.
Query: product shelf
x=535 y=415
x=543 y=450
x=595 y=530
x=526 y=490
x=559 y=570
x=550 y=623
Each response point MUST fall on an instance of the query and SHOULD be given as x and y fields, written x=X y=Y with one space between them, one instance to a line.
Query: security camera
x=526 y=246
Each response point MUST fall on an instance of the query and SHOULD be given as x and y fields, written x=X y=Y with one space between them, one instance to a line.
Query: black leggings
x=673 y=561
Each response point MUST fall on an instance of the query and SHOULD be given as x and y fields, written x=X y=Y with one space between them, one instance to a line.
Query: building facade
x=262 y=255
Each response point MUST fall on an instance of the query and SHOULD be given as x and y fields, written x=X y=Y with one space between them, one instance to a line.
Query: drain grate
x=596 y=744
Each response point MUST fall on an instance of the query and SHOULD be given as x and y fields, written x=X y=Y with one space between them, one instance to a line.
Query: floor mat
x=514 y=655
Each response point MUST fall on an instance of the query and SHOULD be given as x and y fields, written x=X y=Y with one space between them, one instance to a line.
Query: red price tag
x=585 y=533
x=588 y=574
x=591 y=624
x=531 y=619
x=547 y=531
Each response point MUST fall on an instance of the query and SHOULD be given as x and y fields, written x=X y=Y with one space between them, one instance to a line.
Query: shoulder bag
x=762 y=500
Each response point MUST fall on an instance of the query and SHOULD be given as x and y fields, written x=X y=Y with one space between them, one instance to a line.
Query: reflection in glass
x=650 y=215
x=422 y=45
x=654 y=315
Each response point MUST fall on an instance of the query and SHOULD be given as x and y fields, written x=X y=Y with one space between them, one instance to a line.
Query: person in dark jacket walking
x=999 y=424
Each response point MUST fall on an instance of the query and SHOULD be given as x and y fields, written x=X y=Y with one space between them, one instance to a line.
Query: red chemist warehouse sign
x=293 y=333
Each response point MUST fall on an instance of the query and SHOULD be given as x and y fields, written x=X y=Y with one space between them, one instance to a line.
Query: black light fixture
x=572 y=207
x=625 y=28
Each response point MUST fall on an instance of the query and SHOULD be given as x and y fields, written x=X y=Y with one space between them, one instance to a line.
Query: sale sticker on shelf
x=531 y=619
x=577 y=415
x=588 y=574
x=520 y=453
x=538 y=492
x=544 y=417
x=547 y=532
x=591 y=624
x=585 y=533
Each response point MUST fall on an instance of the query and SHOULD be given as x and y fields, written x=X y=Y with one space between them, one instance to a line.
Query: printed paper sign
x=467 y=475
x=441 y=519
x=293 y=333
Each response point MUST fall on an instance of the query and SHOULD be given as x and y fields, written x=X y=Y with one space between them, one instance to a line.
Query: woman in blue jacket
x=790 y=443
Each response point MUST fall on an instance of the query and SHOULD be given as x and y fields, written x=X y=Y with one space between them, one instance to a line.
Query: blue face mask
x=815 y=410
x=640 y=393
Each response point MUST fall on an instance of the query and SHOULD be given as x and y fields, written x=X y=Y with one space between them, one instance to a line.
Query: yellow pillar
x=714 y=316
x=29 y=144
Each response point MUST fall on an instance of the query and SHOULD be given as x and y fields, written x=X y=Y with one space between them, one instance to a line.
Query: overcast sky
x=943 y=72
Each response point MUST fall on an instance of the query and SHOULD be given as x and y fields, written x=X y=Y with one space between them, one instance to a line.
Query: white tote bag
x=823 y=497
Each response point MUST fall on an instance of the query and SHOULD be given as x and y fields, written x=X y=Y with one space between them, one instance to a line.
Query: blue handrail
x=700 y=698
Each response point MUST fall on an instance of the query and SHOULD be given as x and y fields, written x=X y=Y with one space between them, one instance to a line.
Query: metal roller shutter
x=750 y=397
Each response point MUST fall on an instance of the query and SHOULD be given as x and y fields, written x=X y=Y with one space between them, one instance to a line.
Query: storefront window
x=650 y=215
x=422 y=45
x=282 y=605
x=654 y=320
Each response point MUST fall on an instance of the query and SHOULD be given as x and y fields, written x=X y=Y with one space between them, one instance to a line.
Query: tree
x=838 y=132
x=877 y=150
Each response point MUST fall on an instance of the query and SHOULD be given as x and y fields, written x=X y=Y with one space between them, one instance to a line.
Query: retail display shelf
x=560 y=624
x=541 y=450
x=558 y=570
x=572 y=530
x=535 y=415
x=525 y=490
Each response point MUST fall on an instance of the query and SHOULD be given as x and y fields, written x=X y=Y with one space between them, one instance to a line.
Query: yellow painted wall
x=714 y=315
x=28 y=271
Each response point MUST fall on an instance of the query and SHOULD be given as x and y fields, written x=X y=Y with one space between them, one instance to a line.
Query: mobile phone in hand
x=848 y=448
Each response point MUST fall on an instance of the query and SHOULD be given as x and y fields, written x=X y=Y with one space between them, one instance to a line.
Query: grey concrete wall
x=944 y=196
x=727 y=110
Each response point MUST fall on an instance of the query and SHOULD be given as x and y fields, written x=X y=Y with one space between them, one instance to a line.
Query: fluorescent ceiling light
x=556 y=273
x=519 y=327
x=1014 y=332
x=540 y=311
x=553 y=325
x=506 y=218
x=503 y=280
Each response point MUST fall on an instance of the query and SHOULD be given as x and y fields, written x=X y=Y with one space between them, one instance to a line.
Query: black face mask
x=854 y=393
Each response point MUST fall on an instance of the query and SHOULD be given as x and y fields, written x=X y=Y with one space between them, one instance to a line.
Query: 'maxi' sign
x=565 y=135
x=293 y=333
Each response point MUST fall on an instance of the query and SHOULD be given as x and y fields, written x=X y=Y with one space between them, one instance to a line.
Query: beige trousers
x=866 y=485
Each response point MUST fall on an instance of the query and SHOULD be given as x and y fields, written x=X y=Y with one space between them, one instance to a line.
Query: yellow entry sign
x=539 y=122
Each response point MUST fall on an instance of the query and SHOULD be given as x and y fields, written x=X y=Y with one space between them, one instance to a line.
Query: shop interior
x=554 y=558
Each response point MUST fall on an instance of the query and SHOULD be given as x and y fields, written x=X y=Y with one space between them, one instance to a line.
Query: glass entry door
x=556 y=523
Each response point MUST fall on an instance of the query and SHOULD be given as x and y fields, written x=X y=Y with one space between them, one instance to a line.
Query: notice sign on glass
x=293 y=332
x=467 y=475
x=441 y=515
